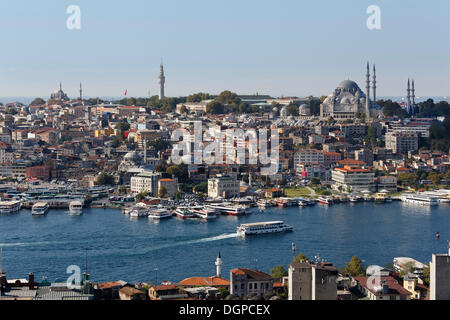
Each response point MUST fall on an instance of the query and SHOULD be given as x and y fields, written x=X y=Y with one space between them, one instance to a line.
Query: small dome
x=345 y=100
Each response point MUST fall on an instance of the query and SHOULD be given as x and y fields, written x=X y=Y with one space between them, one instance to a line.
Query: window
x=250 y=286
x=256 y=286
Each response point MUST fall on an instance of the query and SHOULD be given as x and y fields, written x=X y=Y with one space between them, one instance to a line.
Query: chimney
x=31 y=281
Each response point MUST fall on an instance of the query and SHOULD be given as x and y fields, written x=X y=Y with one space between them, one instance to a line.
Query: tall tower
x=368 y=92
x=374 y=85
x=162 y=81
x=81 y=92
x=408 y=98
x=219 y=264
x=413 y=94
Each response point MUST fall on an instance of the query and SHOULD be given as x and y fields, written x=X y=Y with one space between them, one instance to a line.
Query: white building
x=223 y=187
x=353 y=179
x=402 y=141
x=145 y=182
x=440 y=277
x=308 y=156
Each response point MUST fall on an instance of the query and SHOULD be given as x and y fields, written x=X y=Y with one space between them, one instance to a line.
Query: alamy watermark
x=374 y=20
x=216 y=147
x=73 y=22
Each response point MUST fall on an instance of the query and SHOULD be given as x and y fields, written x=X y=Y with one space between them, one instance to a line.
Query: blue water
x=124 y=249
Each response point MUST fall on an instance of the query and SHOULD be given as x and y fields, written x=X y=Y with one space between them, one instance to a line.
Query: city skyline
x=211 y=47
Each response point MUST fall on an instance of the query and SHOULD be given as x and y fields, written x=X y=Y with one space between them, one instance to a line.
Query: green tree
x=104 y=179
x=37 y=102
x=162 y=192
x=180 y=171
x=278 y=272
x=141 y=196
x=354 y=267
x=300 y=257
x=426 y=275
x=123 y=189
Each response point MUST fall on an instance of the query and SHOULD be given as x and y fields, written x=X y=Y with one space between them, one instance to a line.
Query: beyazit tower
x=162 y=81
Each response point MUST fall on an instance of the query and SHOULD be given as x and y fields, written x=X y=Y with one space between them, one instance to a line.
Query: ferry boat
x=184 y=213
x=263 y=203
x=263 y=228
x=380 y=197
x=421 y=199
x=226 y=209
x=76 y=207
x=159 y=214
x=40 y=208
x=10 y=206
x=204 y=213
x=325 y=200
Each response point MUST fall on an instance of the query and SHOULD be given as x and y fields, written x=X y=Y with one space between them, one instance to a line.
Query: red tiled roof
x=204 y=281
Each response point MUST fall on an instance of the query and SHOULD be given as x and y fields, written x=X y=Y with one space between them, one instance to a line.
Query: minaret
x=162 y=80
x=219 y=266
x=367 y=92
x=81 y=92
x=145 y=151
x=374 y=85
x=408 y=99
x=413 y=94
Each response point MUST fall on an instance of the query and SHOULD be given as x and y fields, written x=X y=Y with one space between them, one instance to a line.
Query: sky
x=280 y=48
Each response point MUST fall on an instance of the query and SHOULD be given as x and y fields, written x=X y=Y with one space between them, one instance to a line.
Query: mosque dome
x=304 y=110
x=348 y=85
x=132 y=156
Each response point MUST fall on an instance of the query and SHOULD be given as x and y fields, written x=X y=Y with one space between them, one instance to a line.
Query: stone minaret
x=367 y=92
x=408 y=99
x=374 y=85
x=162 y=81
x=219 y=266
x=81 y=92
x=413 y=94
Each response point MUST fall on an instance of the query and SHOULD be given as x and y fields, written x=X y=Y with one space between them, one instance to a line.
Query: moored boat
x=325 y=200
x=204 y=212
x=159 y=214
x=76 y=207
x=184 y=213
x=10 y=206
x=40 y=208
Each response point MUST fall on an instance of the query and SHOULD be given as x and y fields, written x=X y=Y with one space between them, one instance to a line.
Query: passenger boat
x=421 y=199
x=325 y=200
x=159 y=214
x=76 y=207
x=227 y=209
x=204 y=213
x=184 y=213
x=380 y=197
x=40 y=208
x=10 y=206
x=263 y=228
x=368 y=198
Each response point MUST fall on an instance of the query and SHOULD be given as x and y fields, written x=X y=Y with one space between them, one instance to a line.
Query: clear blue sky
x=285 y=47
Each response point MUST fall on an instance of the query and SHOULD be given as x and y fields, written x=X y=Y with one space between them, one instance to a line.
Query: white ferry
x=228 y=209
x=75 y=207
x=184 y=213
x=40 y=208
x=204 y=213
x=421 y=199
x=138 y=212
x=10 y=206
x=263 y=228
x=159 y=214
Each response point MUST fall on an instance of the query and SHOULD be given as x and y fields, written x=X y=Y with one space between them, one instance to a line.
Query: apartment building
x=223 y=187
x=353 y=179
x=402 y=141
x=308 y=156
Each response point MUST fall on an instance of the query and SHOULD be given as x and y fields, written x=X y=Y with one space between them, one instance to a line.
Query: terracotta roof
x=165 y=287
x=252 y=274
x=351 y=162
x=204 y=281
x=106 y=285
